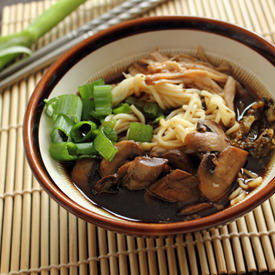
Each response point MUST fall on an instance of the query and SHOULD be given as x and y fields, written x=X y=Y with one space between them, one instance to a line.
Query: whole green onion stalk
x=19 y=43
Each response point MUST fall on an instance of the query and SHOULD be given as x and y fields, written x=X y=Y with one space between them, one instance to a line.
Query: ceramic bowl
x=109 y=52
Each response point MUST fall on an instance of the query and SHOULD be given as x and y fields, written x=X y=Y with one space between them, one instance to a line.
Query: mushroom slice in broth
x=209 y=137
x=127 y=150
x=216 y=173
x=177 y=186
x=85 y=173
x=141 y=172
x=177 y=159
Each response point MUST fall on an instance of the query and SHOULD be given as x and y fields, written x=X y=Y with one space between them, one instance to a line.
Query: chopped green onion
x=88 y=106
x=132 y=101
x=87 y=95
x=103 y=100
x=83 y=131
x=109 y=131
x=96 y=131
x=58 y=136
x=87 y=90
x=61 y=129
x=68 y=105
x=63 y=151
x=104 y=146
x=149 y=109
x=140 y=132
x=157 y=120
x=68 y=151
x=50 y=106
x=86 y=149
x=109 y=123
x=122 y=109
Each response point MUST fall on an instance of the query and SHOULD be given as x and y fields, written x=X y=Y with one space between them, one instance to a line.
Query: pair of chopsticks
x=46 y=55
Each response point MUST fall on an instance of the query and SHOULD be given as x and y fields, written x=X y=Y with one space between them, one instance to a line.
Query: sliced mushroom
x=141 y=172
x=230 y=92
x=85 y=173
x=216 y=173
x=209 y=137
x=177 y=186
x=177 y=159
x=193 y=209
x=127 y=150
x=108 y=184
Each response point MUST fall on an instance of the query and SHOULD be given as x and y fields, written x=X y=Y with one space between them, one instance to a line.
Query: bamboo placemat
x=39 y=237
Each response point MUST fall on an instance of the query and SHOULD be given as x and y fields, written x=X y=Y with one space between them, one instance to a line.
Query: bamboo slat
x=122 y=257
x=202 y=253
x=171 y=259
x=152 y=266
x=143 y=267
x=237 y=249
x=191 y=254
x=131 y=244
x=161 y=257
x=112 y=250
x=37 y=236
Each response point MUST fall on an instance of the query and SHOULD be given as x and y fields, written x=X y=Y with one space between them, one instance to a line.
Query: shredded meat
x=188 y=70
x=229 y=92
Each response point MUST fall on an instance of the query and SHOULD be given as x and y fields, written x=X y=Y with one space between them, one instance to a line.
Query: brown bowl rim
x=71 y=57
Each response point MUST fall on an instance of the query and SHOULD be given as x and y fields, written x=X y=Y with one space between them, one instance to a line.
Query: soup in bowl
x=157 y=126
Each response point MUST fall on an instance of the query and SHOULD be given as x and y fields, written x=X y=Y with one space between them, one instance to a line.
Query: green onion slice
x=83 y=131
x=61 y=129
x=50 y=106
x=157 y=120
x=63 y=151
x=68 y=151
x=109 y=131
x=87 y=90
x=87 y=95
x=123 y=108
x=86 y=149
x=103 y=100
x=68 y=105
x=149 y=109
x=88 y=107
x=104 y=146
x=140 y=132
